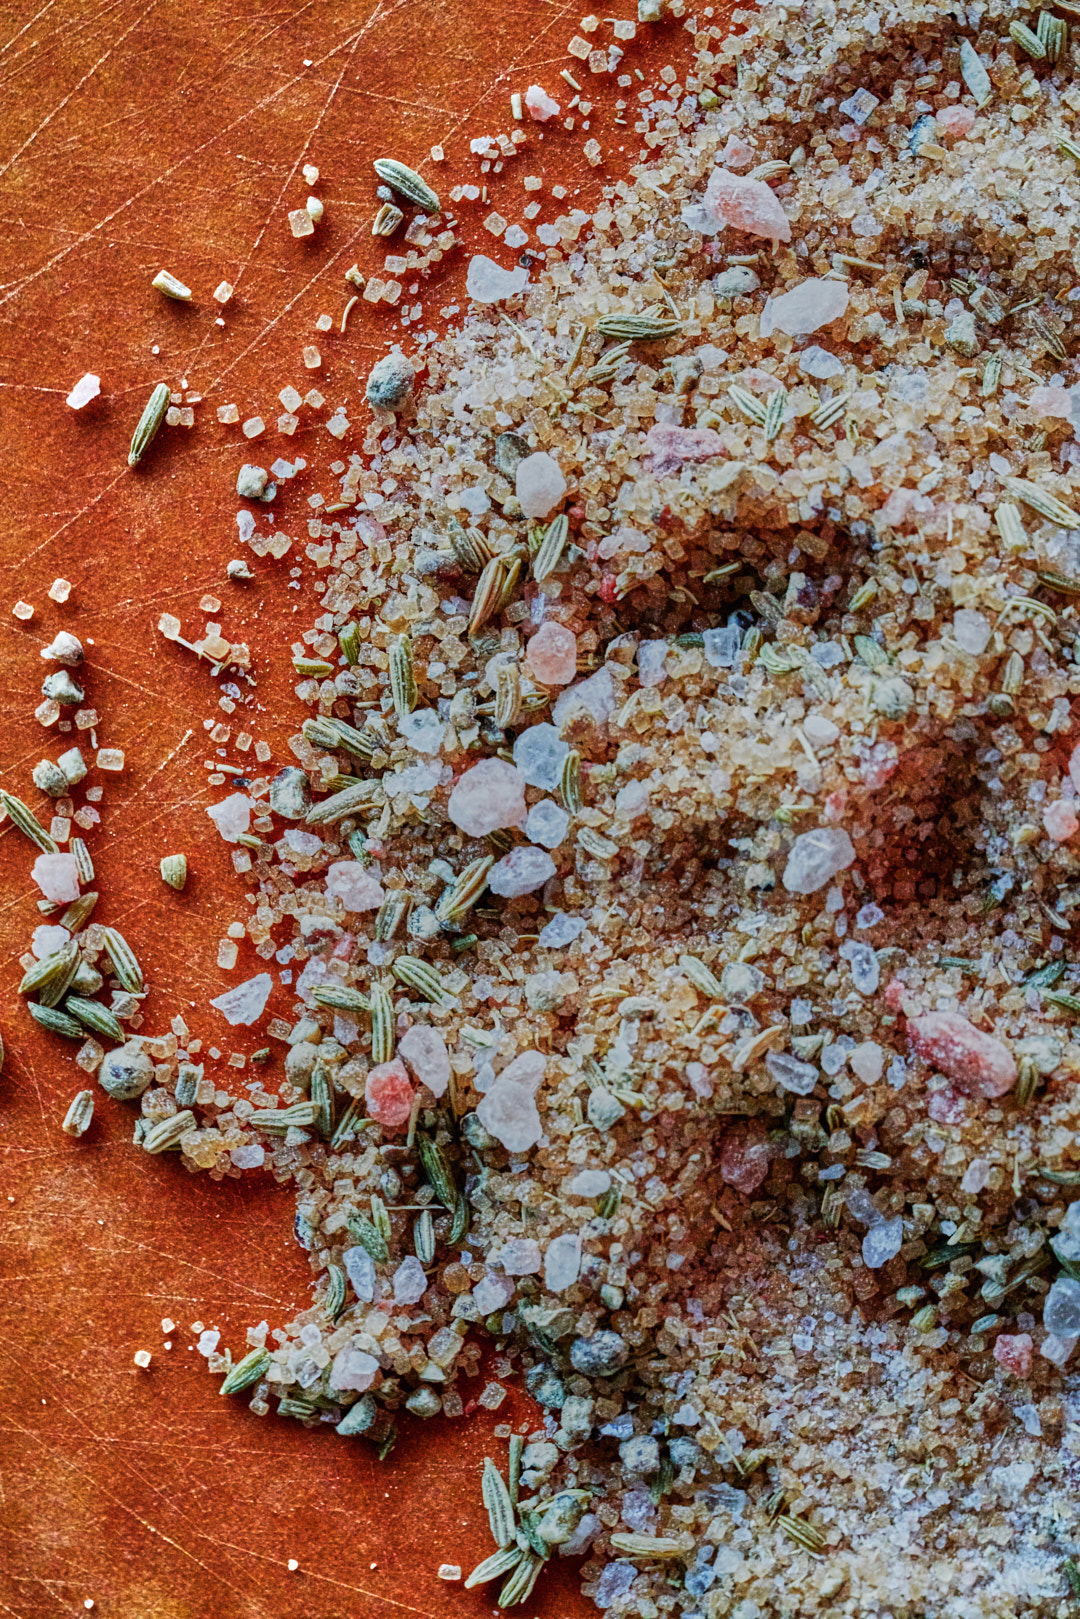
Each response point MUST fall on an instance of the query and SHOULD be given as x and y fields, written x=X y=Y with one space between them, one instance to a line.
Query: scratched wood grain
x=137 y=136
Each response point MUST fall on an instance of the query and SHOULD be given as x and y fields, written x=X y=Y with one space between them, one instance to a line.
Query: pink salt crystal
x=1013 y=1351
x=552 y=655
x=353 y=1369
x=232 y=816
x=746 y=205
x=744 y=1156
x=57 y=875
x=487 y=798
x=358 y=888
x=1050 y=402
x=424 y=1049
x=955 y=120
x=806 y=308
x=737 y=154
x=539 y=105
x=539 y=484
x=947 y=1106
x=978 y=1063
x=1060 y=821
x=508 y=1111
x=522 y=871
x=388 y=1094
x=669 y=446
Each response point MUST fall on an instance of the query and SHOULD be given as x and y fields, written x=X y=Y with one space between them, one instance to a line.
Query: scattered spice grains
x=684 y=1005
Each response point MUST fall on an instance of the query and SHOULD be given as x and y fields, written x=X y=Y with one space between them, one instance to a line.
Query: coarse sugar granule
x=751 y=1137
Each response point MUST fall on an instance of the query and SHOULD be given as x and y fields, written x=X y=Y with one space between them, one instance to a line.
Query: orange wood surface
x=137 y=135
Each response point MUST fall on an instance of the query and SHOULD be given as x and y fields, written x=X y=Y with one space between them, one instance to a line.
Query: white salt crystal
x=862 y=958
x=540 y=105
x=1057 y=1350
x=652 y=660
x=595 y=695
x=508 y=1110
x=539 y=754
x=818 y=362
x=971 y=630
x=868 y=1062
x=522 y=871
x=488 y=283
x=722 y=646
x=492 y=1292
x=520 y=1257
x=859 y=106
x=208 y=1342
x=245 y=522
x=232 y=816
x=424 y=1049
x=413 y=780
x=815 y=857
x=88 y=387
x=247 y=1002
x=514 y=236
x=476 y=501
x=562 y=1262
x=410 y=1283
x=819 y=731
x=632 y=799
x=356 y=886
x=1061 y=1312
x=561 y=930
x=48 y=939
x=539 y=484
x=57 y=875
x=976 y=1175
x=491 y=795
x=353 y=1369
x=249 y=1156
x=791 y=1073
x=590 y=1183
x=423 y=730
x=810 y=305
x=882 y=1242
x=547 y=824
x=360 y=1269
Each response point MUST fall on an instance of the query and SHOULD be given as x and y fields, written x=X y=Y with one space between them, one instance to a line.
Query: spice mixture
x=679 y=859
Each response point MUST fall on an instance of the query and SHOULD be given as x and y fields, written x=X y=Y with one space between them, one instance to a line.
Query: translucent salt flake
x=652 y=662
x=547 y=824
x=388 y=1094
x=746 y=205
x=522 y=871
x=410 y=1283
x=539 y=754
x=552 y=655
x=232 y=816
x=561 y=931
x=1061 y=1312
x=245 y=1003
x=520 y=1257
x=249 y=1156
x=88 y=387
x=356 y=886
x=57 y=875
x=806 y=308
x=971 y=630
x=815 y=858
x=424 y=1049
x=509 y=1111
x=539 y=105
x=859 y=106
x=490 y=796
x=562 y=1262
x=882 y=1242
x=353 y=1369
x=596 y=696
x=488 y=283
x=539 y=484
x=360 y=1269
x=819 y=363
x=669 y=446
x=492 y=1292
x=791 y=1072
x=978 y=1063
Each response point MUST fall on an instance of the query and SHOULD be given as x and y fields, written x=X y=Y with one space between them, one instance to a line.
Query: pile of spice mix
x=679 y=858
